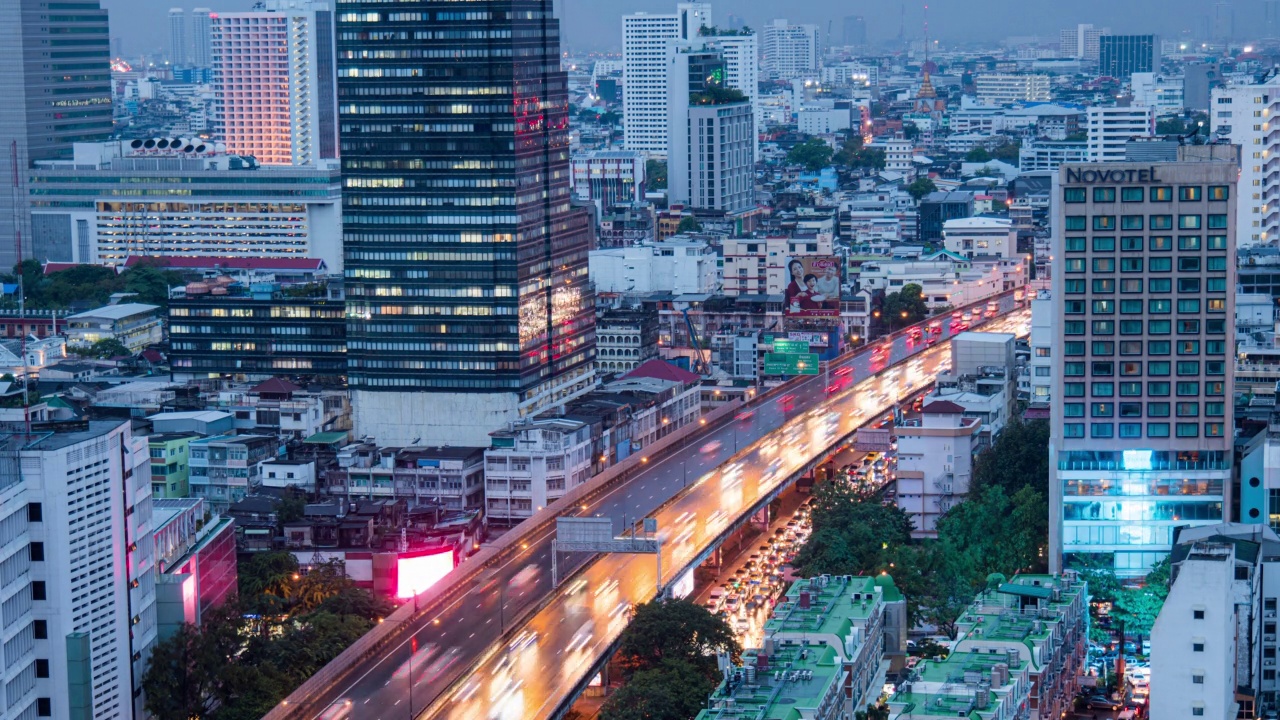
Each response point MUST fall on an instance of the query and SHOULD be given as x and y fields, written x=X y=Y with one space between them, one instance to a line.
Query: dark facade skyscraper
x=466 y=267
x=855 y=30
x=1119 y=56
x=57 y=91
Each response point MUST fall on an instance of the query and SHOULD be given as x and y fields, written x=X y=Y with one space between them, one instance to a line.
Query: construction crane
x=699 y=364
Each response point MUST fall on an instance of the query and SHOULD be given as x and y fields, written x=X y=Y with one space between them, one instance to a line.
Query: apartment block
x=935 y=463
x=225 y=468
x=1110 y=128
x=645 y=37
x=1010 y=89
x=1244 y=114
x=532 y=463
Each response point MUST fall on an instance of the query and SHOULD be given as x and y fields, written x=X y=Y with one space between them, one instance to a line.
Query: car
x=1098 y=702
x=711 y=447
x=833 y=388
x=786 y=399
x=842 y=371
x=744 y=415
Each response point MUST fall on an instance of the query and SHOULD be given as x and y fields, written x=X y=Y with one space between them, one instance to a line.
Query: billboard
x=417 y=572
x=813 y=286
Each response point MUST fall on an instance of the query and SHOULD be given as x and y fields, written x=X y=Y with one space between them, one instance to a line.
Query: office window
x=1190 y=193
x=1104 y=327
x=1104 y=265
x=1161 y=264
x=1219 y=192
x=1102 y=389
x=1105 y=409
x=1131 y=244
x=1160 y=242
x=1074 y=195
x=1104 y=244
x=1073 y=244
x=1158 y=327
x=1159 y=368
x=1101 y=430
x=1131 y=389
x=1157 y=430
x=1130 y=264
x=1161 y=194
x=1187 y=430
x=1161 y=222
x=1188 y=242
x=1075 y=222
x=1160 y=285
x=1188 y=388
x=1130 y=430
x=1158 y=347
x=1104 y=222
x=1104 y=195
x=1158 y=388
x=1073 y=287
x=1189 y=285
x=1188 y=409
x=1158 y=306
x=1131 y=194
x=1104 y=347
x=1073 y=430
x=1188 y=222
x=1130 y=222
x=1131 y=347
x=1104 y=285
x=1104 y=307
x=1130 y=327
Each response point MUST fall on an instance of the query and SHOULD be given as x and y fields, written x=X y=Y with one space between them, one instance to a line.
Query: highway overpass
x=463 y=667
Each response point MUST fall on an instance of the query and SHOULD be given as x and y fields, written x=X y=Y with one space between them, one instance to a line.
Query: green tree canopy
x=673 y=690
x=1007 y=152
x=104 y=348
x=655 y=174
x=852 y=534
x=920 y=187
x=678 y=630
x=1018 y=457
x=977 y=155
x=909 y=300
x=814 y=154
x=688 y=223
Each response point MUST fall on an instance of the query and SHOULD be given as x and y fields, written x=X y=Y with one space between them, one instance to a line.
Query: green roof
x=1035 y=591
x=773 y=695
x=328 y=438
x=832 y=607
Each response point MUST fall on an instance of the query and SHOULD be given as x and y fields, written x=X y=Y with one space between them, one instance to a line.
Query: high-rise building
x=201 y=37
x=711 y=161
x=1224 y=22
x=274 y=81
x=178 y=43
x=1243 y=115
x=1143 y=294
x=1109 y=128
x=609 y=177
x=467 y=287
x=78 y=580
x=644 y=71
x=1120 y=56
x=1270 y=18
x=789 y=51
x=51 y=101
x=855 y=30
x=1082 y=41
x=739 y=50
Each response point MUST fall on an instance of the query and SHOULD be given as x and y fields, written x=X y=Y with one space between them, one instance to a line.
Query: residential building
x=609 y=177
x=274 y=79
x=1166 y=94
x=672 y=393
x=1241 y=115
x=135 y=325
x=741 y=54
x=447 y=477
x=281 y=473
x=278 y=407
x=1083 y=41
x=789 y=51
x=532 y=463
x=981 y=382
x=976 y=236
x=490 y=235
x=226 y=468
x=678 y=265
x=50 y=103
x=170 y=464
x=1142 y=407
x=193 y=422
x=965 y=683
x=711 y=150
x=257 y=329
x=935 y=463
x=937 y=208
x=195 y=553
x=821 y=658
x=1043 y=336
x=944 y=279
x=1043 y=620
x=202 y=38
x=79 y=586
x=1049 y=154
x=645 y=37
x=758 y=266
x=823 y=121
x=1120 y=56
x=179 y=46
x=119 y=199
x=899 y=154
x=1213 y=644
x=625 y=339
x=1109 y=128
x=1010 y=89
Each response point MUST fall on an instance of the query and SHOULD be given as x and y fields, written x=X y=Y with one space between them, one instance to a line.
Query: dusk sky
x=596 y=24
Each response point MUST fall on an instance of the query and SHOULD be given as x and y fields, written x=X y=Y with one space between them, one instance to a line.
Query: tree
x=1018 y=457
x=679 y=630
x=185 y=673
x=978 y=155
x=1171 y=126
x=292 y=508
x=852 y=535
x=655 y=173
x=1007 y=152
x=920 y=187
x=674 y=690
x=688 y=223
x=909 y=300
x=999 y=532
x=879 y=711
x=267 y=582
x=1097 y=570
x=942 y=581
x=106 y=348
x=910 y=131
x=814 y=154
x=866 y=158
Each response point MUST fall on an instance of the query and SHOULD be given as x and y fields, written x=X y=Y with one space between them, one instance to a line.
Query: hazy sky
x=596 y=24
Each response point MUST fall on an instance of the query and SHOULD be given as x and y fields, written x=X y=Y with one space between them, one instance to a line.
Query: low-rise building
x=283 y=473
x=170 y=464
x=195 y=551
x=226 y=468
x=1043 y=154
x=677 y=264
x=976 y=236
x=135 y=325
x=609 y=177
x=450 y=477
x=965 y=684
x=935 y=463
x=1009 y=89
x=625 y=339
x=279 y=407
x=533 y=463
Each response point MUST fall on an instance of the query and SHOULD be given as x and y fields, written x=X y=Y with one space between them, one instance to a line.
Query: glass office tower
x=466 y=267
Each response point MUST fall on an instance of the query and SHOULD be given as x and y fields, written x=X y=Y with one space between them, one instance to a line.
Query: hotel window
x=1131 y=347
x=1215 y=327
x=1161 y=194
x=1215 y=347
x=1188 y=264
x=1188 y=409
x=1130 y=327
x=1074 y=244
x=1104 y=222
x=1104 y=307
x=1188 y=347
x=1188 y=388
x=1188 y=327
x=1076 y=265
x=1104 y=327
x=1130 y=264
x=1213 y=429
x=1073 y=369
x=1189 y=242
x=1219 y=192
x=1216 y=264
x=1073 y=195
x=1131 y=194
x=1188 y=285
x=1073 y=389
x=1190 y=193
x=1130 y=430
x=1073 y=430
x=1103 y=410
x=1161 y=222
x=1214 y=388
x=1215 y=367
x=1073 y=307
x=1104 y=348
x=1160 y=264
x=1104 y=244
x=1188 y=367
x=1157 y=347
x=1131 y=389
x=1104 y=285
x=1157 y=306
x=1073 y=409
x=1190 y=305
x=1215 y=409
x=1073 y=287
x=1216 y=305
x=1073 y=327
x=1158 y=327
x=1101 y=430
x=1158 y=409
x=1104 y=265
x=1216 y=242
x=1157 y=430
x=1131 y=244
x=1103 y=369
x=1102 y=389
x=1188 y=430
x=1158 y=388
x=1217 y=222
x=1075 y=222
x=1160 y=242
x=1158 y=368
x=1131 y=222
x=1130 y=285
x=1072 y=348
x=1104 y=195
x=1216 y=285
x=1131 y=368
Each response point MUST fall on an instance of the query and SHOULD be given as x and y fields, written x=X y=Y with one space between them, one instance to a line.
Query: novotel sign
x=1075 y=175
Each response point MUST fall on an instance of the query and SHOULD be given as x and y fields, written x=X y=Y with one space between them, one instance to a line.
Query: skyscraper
x=274 y=78
x=1082 y=41
x=467 y=288
x=1123 y=55
x=645 y=37
x=50 y=100
x=1270 y=18
x=855 y=30
x=789 y=51
x=178 y=42
x=1224 y=22
x=711 y=161
x=1143 y=295
x=201 y=30
x=1234 y=113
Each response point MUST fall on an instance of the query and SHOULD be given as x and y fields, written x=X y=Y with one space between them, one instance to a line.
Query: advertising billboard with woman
x=813 y=286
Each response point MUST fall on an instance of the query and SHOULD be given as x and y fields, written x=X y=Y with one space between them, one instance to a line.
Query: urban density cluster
x=366 y=360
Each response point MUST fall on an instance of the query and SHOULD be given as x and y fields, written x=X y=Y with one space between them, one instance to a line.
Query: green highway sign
x=790 y=364
x=790 y=347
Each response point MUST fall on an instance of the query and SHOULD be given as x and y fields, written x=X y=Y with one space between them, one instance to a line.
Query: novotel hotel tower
x=1143 y=285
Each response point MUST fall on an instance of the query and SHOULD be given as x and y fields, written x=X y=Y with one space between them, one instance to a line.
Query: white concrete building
x=1082 y=41
x=758 y=266
x=977 y=236
x=1009 y=89
x=1163 y=94
x=281 y=473
x=823 y=121
x=1040 y=365
x=789 y=51
x=275 y=78
x=1243 y=115
x=645 y=37
x=532 y=463
x=1036 y=155
x=1109 y=128
x=609 y=177
x=899 y=154
x=77 y=582
x=944 y=279
x=677 y=265
x=711 y=148
x=935 y=463
x=135 y=325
